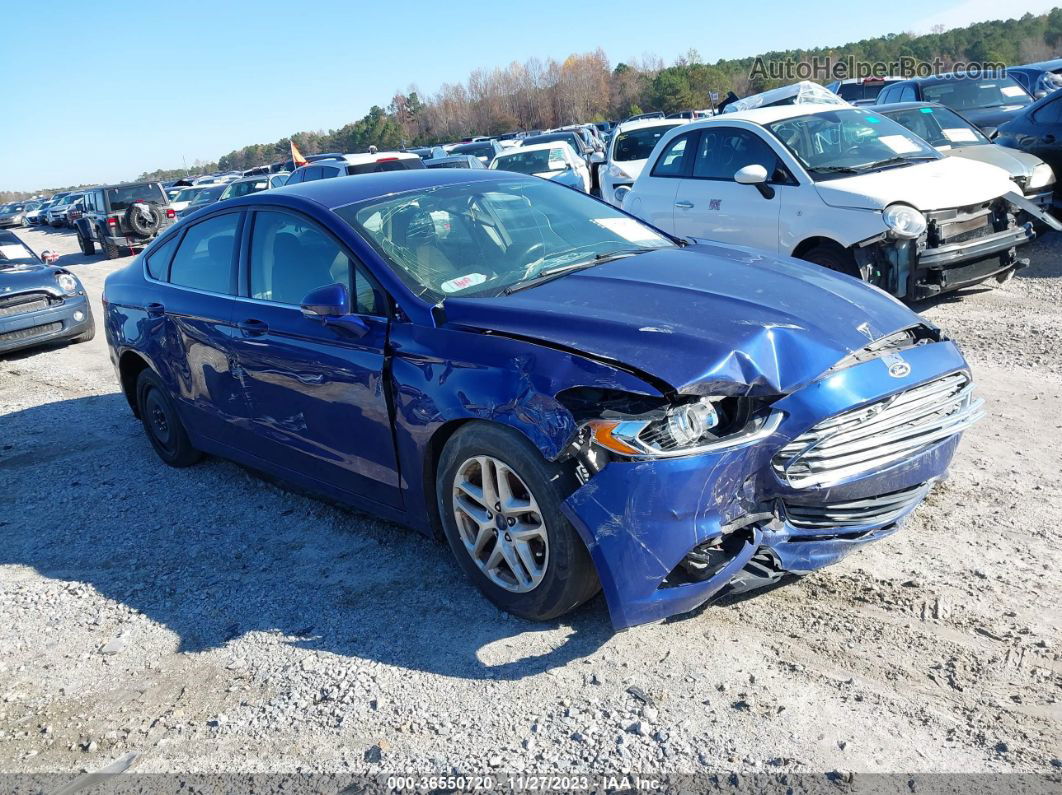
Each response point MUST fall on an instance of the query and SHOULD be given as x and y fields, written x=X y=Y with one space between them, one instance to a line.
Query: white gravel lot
x=210 y=621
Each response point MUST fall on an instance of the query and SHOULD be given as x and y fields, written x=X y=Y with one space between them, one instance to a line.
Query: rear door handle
x=684 y=205
x=1048 y=139
x=252 y=327
x=155 y=310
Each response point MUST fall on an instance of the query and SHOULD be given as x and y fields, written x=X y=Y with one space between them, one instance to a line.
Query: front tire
x=88 y=248
x=834 y=257
x=161 y=422
x=87 y=335
x=500 y=506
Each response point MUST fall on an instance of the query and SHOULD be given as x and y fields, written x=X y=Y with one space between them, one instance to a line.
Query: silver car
x=951 y=134
x=12 y=214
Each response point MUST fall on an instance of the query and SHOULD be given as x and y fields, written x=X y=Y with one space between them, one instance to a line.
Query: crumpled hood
x=27 y=277
x=707 y=319
x=933 y=185
x=1013 y=161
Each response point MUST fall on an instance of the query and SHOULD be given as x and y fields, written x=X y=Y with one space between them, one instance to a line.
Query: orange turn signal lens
x=602 y=435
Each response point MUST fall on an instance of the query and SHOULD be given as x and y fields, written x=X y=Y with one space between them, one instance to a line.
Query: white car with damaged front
x=845 y=188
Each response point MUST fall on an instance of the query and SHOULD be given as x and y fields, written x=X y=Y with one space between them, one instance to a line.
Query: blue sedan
x=572 y=399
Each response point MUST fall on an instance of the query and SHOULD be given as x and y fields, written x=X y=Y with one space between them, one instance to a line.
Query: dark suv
x=123 y=217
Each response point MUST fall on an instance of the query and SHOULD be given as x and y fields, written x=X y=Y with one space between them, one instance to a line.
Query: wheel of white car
x=499 y=501
x=832 y=256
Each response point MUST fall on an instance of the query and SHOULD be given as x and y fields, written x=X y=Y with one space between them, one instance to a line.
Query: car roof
x=360 y=158
x=535 y=148
x=1043 y=66
x=639 y=124
x=771 y=113
x=340 y=191
x=891 y=106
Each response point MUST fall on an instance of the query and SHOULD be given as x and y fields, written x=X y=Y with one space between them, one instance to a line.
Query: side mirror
x=597 y=157
x=754 y=174
x=331 y=305
x=49 y=256
x=326 y=302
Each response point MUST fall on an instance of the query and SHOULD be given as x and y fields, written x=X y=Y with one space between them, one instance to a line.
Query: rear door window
x=723 y=151
x=204 y=260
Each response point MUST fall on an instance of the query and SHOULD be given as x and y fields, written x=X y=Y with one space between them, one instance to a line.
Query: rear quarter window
x=158 y=260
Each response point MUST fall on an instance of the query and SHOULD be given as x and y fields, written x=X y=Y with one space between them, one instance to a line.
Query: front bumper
x=57 y=322
x=642 y=519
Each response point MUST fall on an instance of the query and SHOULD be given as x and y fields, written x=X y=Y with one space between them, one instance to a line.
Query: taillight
x=112 y=220
x=170 y=213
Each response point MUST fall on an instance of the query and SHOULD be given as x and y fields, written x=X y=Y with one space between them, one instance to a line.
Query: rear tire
x=560 y=575
x=110 y=250
x=161 y=422
x=832 y=256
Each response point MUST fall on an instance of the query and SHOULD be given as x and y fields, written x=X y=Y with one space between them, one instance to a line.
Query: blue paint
x=353 y=412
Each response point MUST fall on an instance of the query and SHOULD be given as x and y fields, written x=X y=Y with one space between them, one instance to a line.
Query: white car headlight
x=618 y=173
x=903 y=220
x=1041 y=176
x=67 y=283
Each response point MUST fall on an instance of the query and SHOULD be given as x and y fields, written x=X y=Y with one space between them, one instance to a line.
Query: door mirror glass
x=753 y=174
x=597 y=157
x=327 y=302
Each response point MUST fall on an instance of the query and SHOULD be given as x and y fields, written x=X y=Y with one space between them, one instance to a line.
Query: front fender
x=440 y=375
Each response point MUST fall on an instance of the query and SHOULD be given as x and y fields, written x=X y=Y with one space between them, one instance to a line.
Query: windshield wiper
x=553 y=273
x=895 y=161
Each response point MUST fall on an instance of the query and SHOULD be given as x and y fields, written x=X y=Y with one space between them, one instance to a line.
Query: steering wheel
x=525 y=255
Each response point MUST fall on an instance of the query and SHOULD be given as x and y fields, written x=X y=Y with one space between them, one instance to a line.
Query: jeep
x=121 y=217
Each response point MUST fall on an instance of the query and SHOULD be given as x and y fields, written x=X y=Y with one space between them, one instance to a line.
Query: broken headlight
x=1041 y=176
x=696 y=426
x=903 y=221
x=67 y=283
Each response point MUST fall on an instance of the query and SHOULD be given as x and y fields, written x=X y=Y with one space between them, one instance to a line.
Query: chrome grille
x=854 y=513
x=880 y=434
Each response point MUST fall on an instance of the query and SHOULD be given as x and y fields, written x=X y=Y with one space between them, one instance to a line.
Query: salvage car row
x=659 y=400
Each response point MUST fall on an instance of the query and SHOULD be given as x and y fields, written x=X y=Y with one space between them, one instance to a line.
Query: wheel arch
x=130 y=364
x=804 y=246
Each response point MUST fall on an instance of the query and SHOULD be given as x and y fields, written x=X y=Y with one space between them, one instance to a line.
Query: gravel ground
x=209 y=621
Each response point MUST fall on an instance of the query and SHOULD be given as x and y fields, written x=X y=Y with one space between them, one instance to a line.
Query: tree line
x=537 y=94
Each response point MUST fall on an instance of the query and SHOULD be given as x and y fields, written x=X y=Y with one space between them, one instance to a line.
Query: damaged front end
x=688 y=498
x=958 y=247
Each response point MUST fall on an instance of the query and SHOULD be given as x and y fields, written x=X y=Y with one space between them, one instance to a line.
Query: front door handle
x=684 y=205
x=252 y=327
x=1048 y=139
x=155 y=310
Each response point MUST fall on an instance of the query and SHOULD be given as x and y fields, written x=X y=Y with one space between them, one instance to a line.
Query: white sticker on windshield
x=463 y=282
x=14 y=251
x=628 y=229
x=958 y=134
x=900 y=144
x=1012 y=91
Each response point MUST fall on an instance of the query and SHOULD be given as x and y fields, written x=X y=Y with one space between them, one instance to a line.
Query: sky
x=104 y=96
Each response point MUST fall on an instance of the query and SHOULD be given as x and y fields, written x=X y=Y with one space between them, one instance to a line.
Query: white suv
x=632 y=142
x=843 y=187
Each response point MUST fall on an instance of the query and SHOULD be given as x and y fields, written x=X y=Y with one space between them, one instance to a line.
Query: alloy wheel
x=500 y=524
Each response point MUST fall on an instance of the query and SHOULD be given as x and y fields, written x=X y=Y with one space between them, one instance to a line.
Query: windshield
x=476 y=150
x=479 y=238
x=207 y=195
x=638 y=144
x=843 y=142
x=967 y=93
x=122 y=197
x=14 y=253
x=187 y=194
x=939 y=127
x=537 y=161
x=237 y=189
x=852 y=92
